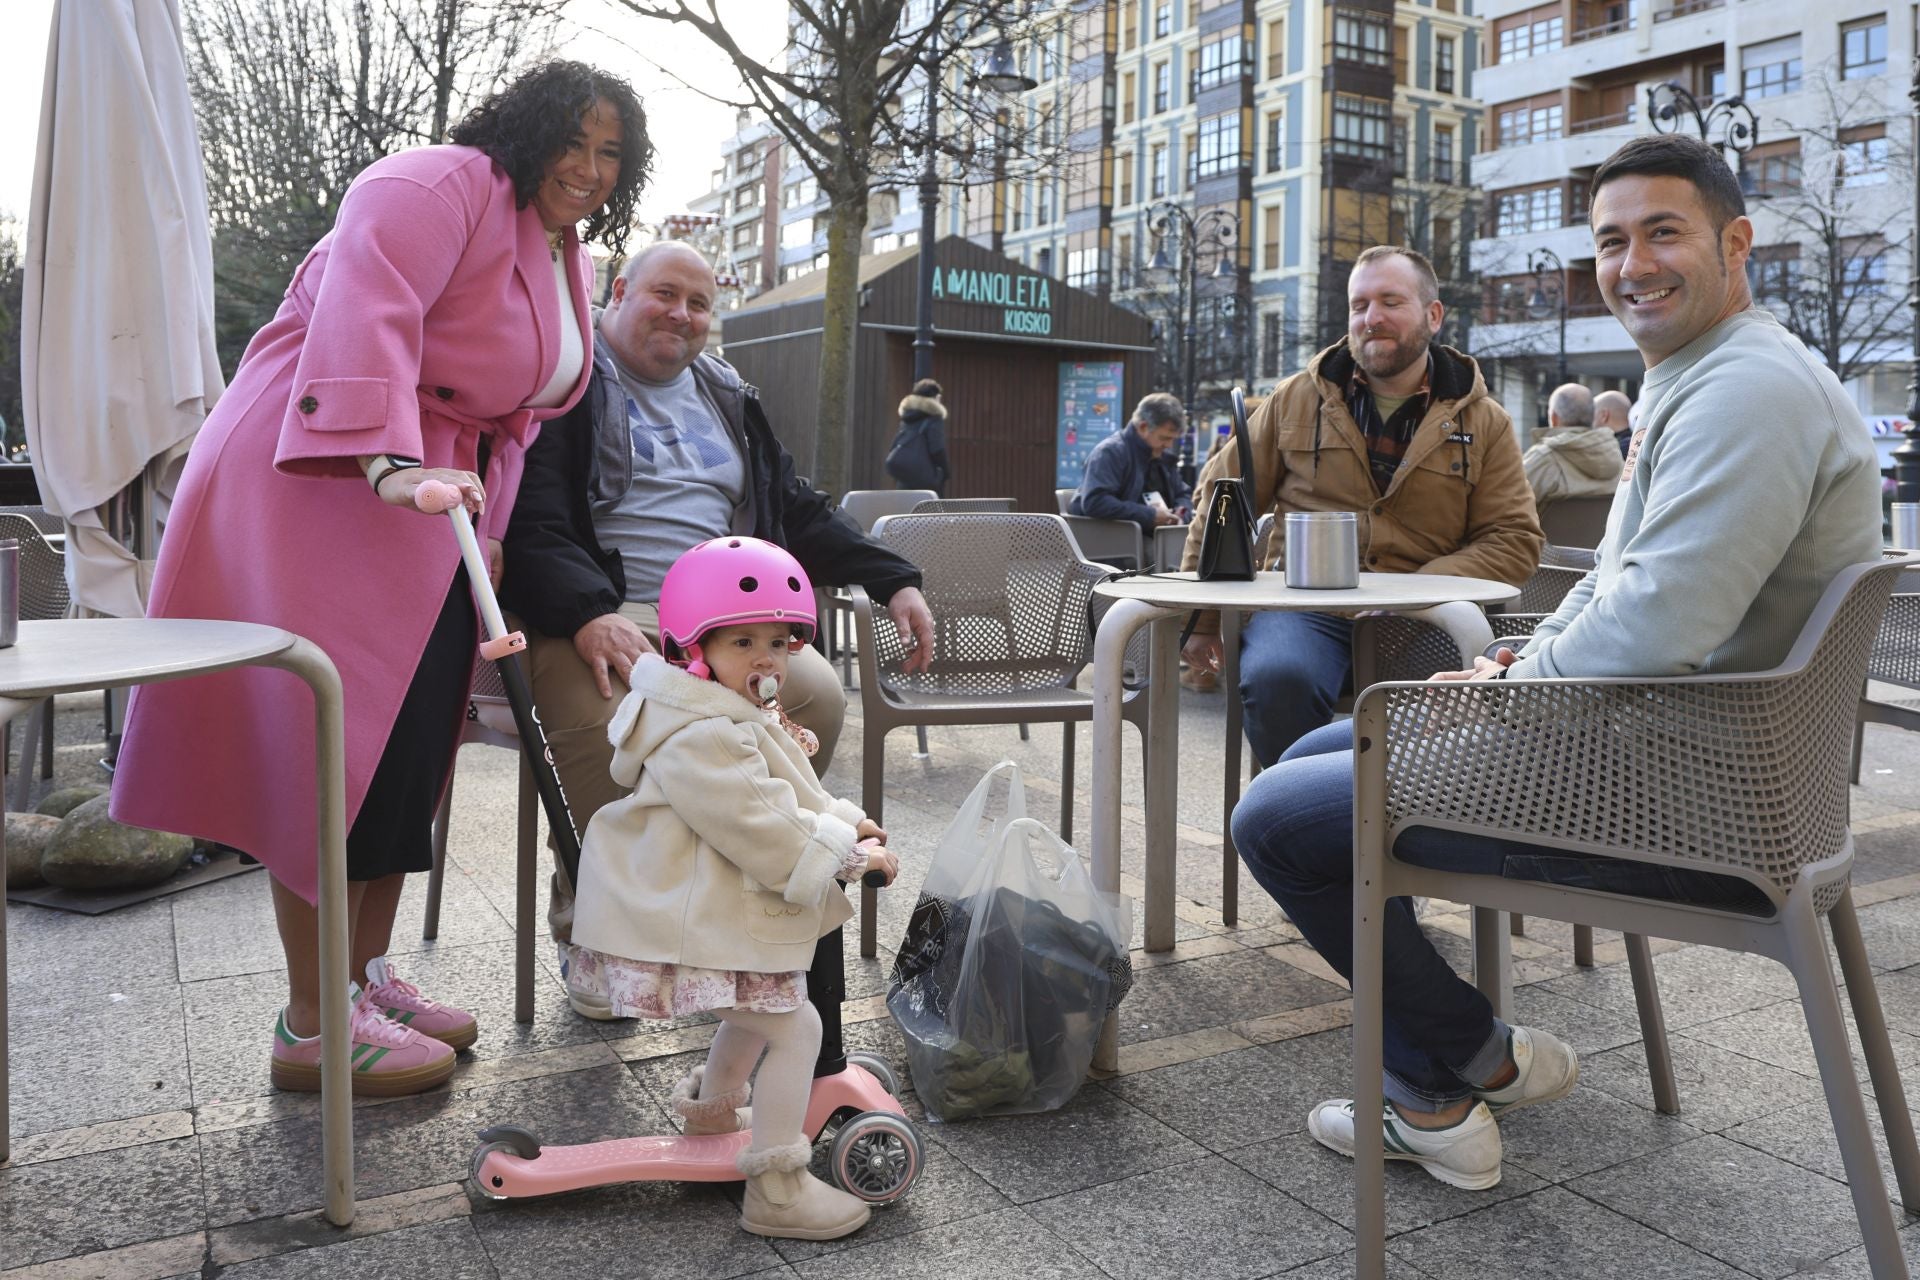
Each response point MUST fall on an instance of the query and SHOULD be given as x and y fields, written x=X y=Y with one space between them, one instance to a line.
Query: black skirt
x=393 y=831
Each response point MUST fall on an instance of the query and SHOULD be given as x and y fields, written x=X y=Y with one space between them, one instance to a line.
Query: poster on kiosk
x=1090 y=410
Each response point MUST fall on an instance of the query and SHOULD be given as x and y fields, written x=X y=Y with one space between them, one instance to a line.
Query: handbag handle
x=1242 y=450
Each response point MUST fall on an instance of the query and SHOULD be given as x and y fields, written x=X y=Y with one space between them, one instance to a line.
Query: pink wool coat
x=424 y=319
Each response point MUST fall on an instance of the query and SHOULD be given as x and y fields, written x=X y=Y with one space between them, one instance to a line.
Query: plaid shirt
x=1387 y=441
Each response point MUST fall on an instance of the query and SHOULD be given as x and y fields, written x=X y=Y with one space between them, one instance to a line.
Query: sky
x=688 y=127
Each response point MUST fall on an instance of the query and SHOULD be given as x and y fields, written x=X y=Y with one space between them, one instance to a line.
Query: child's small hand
x=870 y=830
x=881 y=859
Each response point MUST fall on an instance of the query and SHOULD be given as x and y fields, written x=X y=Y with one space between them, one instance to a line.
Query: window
x=1713 y=82
x=1083 y=268
x=1123 y=259
x=797 y=234
x=1221 y=62
x=746 y=196
x=1157 y=187
x=1162 y=18
x=1443 y=247
x=1360 y=126
x=802 y=192
x=1400 y=38
x=1124 y=163
x=1129 y=26
x=1863 y=267
x=1399 y=148
x=747 y=236
x=1276 y=49
x=1525 y=35
x=1538 y=120
x=1271 y=324
x=1043 y=203
x=1517 y=212
x=1365 y=38
x=1045 y=64
x=1192 y=153
x=1771 y=271
x=1270 y=238
x=1772 y=68
x=1775 y=167
x=1162 y=86
x=1443 y=65
x=1442 y=154
x=1219 y=146
x=1863 y=156
x=1129 y=96
x=1863 y=48
x=1043 y=261
x=1276 y=142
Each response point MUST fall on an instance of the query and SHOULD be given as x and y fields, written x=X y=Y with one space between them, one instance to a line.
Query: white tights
x=783 y=1083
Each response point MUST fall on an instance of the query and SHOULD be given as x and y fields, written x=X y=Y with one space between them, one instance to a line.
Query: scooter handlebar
x=435 y=496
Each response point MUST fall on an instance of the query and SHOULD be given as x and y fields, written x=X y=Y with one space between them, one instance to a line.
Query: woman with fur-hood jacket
x=918 y=458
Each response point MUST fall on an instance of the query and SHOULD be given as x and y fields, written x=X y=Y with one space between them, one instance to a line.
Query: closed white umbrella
x=118 y=365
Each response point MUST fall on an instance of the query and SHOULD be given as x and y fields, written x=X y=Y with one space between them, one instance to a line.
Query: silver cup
x=1906 y=525
x=9 y=592
x=1323 y=550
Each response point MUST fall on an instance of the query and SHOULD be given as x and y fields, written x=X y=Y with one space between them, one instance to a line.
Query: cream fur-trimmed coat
x=724 y=855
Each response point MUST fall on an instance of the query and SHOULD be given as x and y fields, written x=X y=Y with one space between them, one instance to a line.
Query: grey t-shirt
x=687 y=478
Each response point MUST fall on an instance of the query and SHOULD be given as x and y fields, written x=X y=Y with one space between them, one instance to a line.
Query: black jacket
x=918 y=458
x=558 y=578
x=1119 y=472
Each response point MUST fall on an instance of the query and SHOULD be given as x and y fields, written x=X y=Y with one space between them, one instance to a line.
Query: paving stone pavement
x=149 y=1143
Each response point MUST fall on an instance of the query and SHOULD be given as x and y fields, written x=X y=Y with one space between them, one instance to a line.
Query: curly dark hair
x=531 y=121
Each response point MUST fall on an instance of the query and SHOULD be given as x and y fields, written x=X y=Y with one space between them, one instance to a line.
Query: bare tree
x=1837 y=217
x=834 y=100
x=295 y=97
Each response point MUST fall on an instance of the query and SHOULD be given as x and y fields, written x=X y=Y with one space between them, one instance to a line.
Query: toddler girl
x=707 y=887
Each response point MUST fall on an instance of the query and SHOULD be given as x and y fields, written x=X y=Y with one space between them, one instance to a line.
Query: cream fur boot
x=784 y=1200
x=727 y=1113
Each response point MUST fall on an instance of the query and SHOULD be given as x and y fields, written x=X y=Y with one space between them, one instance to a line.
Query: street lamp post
x=1670 y=104
x=1000 y=75
x=1906 y=458
x=1539 y=262
x=1217 y=231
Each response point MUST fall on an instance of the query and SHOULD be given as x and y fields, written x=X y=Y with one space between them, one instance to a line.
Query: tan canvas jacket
x=1459 y=503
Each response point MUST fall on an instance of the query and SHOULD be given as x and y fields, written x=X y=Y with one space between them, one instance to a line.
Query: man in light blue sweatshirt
x=1749 y=484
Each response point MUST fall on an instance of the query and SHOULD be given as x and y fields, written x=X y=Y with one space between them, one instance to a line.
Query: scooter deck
x=656 y=1158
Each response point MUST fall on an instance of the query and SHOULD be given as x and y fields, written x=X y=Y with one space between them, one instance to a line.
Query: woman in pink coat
x=425 y=337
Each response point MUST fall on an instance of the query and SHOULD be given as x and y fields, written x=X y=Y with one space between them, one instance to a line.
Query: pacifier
x=766 y=688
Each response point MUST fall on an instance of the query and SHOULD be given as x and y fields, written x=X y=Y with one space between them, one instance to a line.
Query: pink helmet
x=731 y=581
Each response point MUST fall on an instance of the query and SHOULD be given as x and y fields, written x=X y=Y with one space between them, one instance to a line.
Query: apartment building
x=1829 y=176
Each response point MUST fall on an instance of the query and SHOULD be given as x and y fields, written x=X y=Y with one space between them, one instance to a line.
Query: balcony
x=1610 y=121
x=1684 y=7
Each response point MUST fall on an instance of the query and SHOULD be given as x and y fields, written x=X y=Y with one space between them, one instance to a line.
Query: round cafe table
x=1162 y=600
x=70 y=655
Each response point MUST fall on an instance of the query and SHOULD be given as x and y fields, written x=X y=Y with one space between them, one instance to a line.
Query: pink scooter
x=875 y=1152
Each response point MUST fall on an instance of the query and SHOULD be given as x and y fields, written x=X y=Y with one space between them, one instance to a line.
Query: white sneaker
x=1465 y=1155
x=585 y=1003
x=1548 y=1072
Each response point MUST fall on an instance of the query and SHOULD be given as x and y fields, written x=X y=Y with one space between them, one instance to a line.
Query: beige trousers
x=575 y=718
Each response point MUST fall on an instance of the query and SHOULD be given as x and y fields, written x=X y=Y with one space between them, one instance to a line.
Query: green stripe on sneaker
x=358 y=1050
x=402 y=1016
x=1394 y=1141
x=280 y=1029
x=372 y=1058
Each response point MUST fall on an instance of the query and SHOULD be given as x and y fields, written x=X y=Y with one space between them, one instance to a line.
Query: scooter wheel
x=484 y=1185
x=501 y=1137
x=876 y=1156
x=877 y=1067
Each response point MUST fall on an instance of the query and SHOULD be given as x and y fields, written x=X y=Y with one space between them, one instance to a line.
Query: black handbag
x=1226 y=542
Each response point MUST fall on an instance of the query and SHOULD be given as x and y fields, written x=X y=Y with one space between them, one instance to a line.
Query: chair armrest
x=1730 y=772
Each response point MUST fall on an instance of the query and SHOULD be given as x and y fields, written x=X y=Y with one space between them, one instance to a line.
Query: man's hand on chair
x=1483 y=668
x=610 y=645
x=914 y=621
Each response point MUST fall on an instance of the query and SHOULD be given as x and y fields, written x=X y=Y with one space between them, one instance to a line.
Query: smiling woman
x=424 y=338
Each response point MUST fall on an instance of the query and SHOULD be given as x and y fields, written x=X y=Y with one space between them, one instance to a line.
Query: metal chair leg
x=526 y=873
x=872 y=799
x=1653 y=1025
x=21 y=801
x=1066 y=782
x=441 y=817
x=920 y=736
x=1864 y=994
x=1583 y=946
x=46 y=741
x=1493 y=960
x=1517 y=925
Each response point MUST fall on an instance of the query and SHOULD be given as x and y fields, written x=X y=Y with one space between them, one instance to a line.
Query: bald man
x=1611 y=410
x=1572 y=458
x=667 y=448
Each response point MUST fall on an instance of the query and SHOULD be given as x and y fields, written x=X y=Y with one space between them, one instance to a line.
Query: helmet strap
x=696 y=667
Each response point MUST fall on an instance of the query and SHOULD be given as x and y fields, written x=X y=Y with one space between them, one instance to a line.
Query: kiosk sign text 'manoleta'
x=1025 y=301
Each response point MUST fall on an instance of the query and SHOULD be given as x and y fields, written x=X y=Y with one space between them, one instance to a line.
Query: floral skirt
x=644 y=989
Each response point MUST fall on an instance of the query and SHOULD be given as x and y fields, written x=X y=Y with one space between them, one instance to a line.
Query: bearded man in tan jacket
x=1400 y=431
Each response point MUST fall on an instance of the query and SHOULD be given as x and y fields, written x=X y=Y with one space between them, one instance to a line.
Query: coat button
x=1456 y=466
x=445 y=393
x=1373 y=559
x=1378 y=507
x=308 y=404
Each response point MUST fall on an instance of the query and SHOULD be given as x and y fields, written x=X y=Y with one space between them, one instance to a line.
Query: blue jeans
x=1294 y=830
x=1293 y=667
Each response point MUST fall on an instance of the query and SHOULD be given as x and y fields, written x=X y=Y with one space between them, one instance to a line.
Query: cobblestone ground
x=149 y=1143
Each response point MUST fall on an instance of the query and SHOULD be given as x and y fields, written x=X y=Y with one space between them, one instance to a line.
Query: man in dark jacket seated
x=1131 y=463
x=667 y=448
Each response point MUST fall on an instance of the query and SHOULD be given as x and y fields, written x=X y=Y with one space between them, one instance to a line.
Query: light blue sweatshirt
x=1751 y=484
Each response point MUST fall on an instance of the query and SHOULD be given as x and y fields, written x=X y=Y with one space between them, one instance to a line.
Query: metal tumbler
x=1323 y=550
x=1906 y=525
x=9 y=592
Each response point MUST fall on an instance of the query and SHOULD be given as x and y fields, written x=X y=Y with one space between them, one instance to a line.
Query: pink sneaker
x=388 y=1060
x=403 y=1002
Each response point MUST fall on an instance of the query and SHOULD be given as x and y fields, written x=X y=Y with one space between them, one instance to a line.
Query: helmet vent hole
x=793 y=583
x=734 y=543
x=749 y=584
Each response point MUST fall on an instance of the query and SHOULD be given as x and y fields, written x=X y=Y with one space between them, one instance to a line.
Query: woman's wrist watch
x=382 y=465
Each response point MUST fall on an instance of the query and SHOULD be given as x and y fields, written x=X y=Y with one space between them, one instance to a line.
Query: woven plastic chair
x=1742 y=775
x=1110 y=542
x=1576 y=522
x=490 y=721
x=1169 y=547
x=962 y=507
x=1896 y=661
x=1009 y=596
x=835 y=608
x=1062 y=498
x=43 y=595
